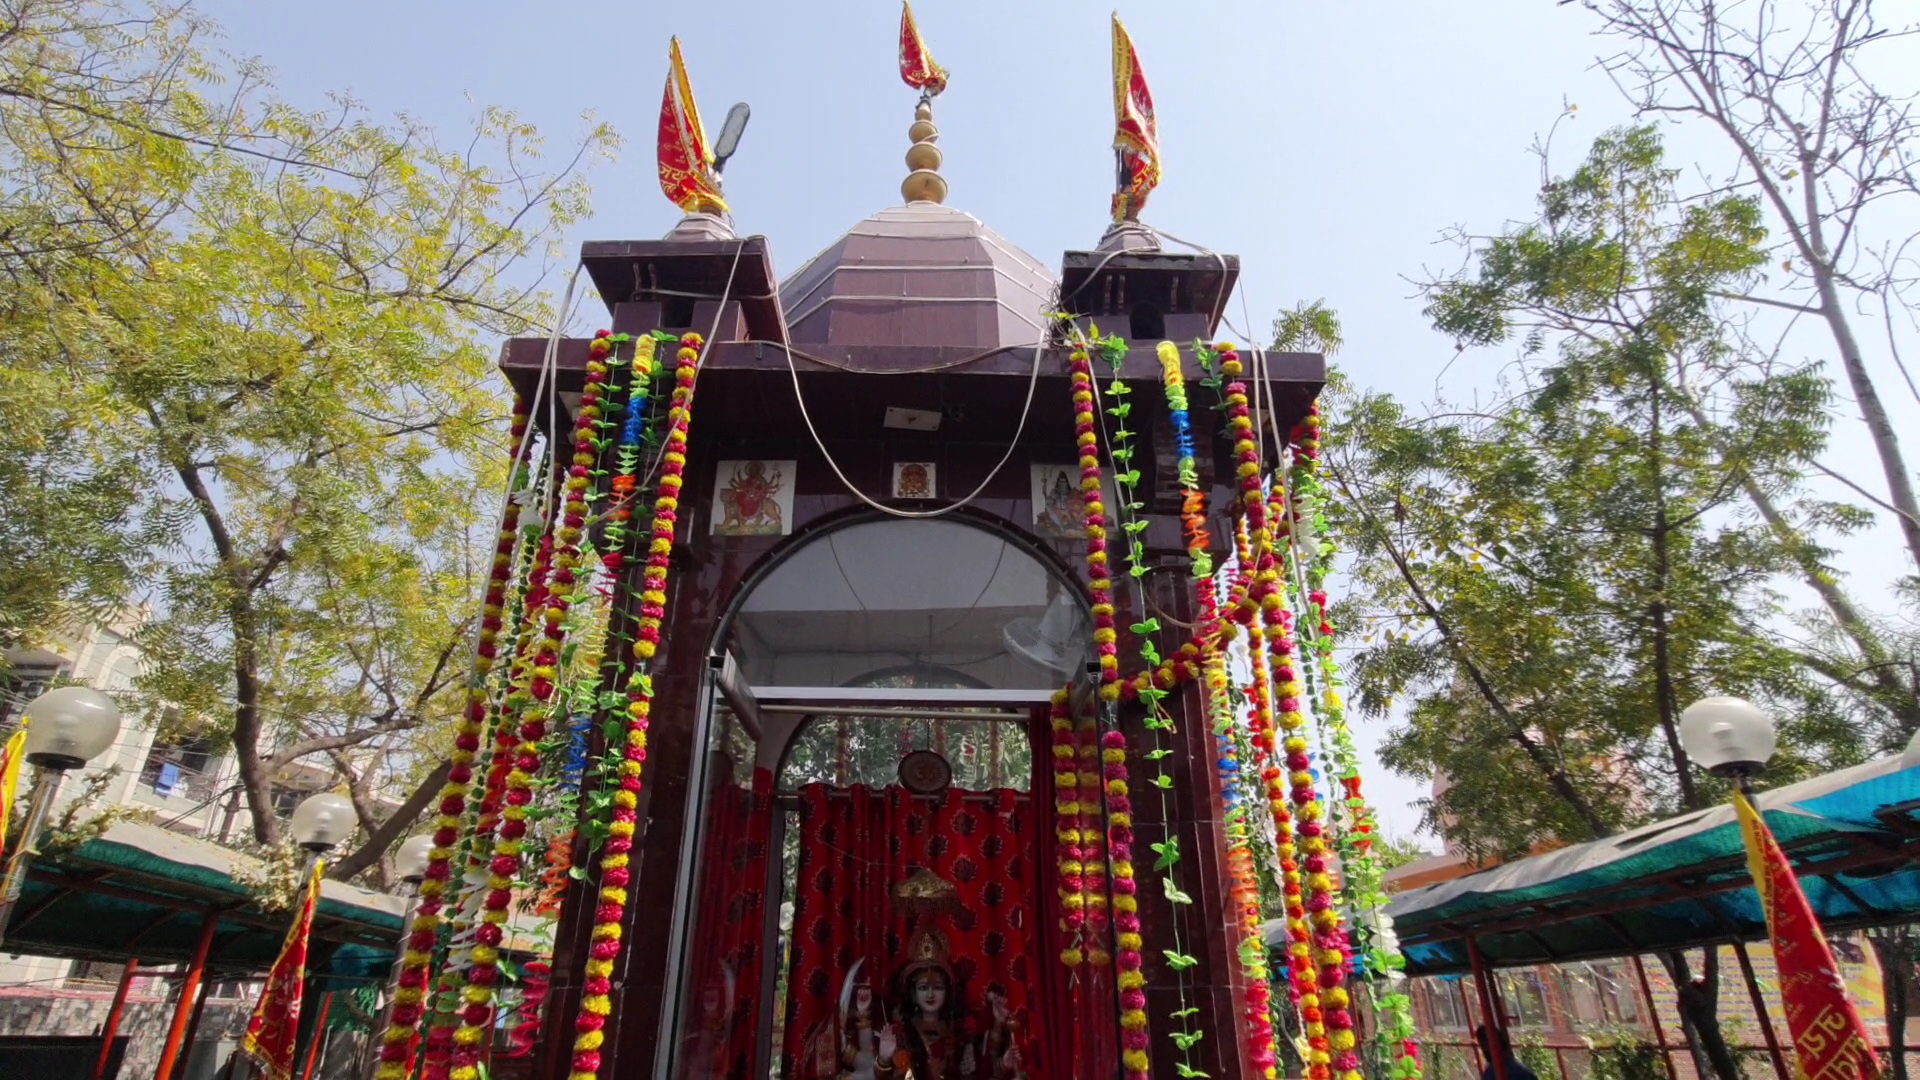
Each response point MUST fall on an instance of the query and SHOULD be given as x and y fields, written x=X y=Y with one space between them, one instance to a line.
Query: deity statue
x=935 y=1043
x=1000 y=1039
x=857 y=1043
x=710 y=1041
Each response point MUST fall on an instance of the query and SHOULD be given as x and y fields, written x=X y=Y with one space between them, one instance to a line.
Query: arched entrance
x=866 y=855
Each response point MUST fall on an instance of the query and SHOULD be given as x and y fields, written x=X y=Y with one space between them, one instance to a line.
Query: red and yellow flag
x=274 y=1027
x=687 y=175
x=1828 y=1037
x=11 y=758
x=917 y=68
x=1135 y=133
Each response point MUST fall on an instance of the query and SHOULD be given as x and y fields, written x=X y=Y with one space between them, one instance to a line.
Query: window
x=865 y=751
x=1525 y=997
x=184 y=769
x=1445 y=1007
x=877 y=597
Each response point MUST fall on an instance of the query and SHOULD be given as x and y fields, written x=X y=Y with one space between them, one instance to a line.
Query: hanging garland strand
x=1255 y=581
x=1100 y=585
x=615 y=874
x=1313 y=558
x=403 y=1027
x=1066 y=805
x=1243 y=884
x=476 y=1019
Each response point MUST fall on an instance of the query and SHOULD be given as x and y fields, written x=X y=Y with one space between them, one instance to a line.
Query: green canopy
x=143 y=891
x=1852 y=836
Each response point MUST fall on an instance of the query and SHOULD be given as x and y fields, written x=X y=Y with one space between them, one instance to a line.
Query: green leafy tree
x=1549 y=580
x=247 y=373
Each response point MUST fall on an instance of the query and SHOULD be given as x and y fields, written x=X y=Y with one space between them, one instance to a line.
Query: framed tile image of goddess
x=753 y=498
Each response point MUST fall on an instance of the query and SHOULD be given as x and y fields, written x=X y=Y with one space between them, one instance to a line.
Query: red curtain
x=856 y=844
x=717 y=1032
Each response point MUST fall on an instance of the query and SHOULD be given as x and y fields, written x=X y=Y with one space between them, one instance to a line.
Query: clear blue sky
x=1326 y=144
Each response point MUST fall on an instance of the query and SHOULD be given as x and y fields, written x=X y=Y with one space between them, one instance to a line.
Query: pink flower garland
x=615 y=876
x=403 y=1024
x=1099 y=573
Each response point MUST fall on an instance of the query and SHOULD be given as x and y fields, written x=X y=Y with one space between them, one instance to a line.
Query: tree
x=1558 y=574
x=1823 y=149
x=247 y=366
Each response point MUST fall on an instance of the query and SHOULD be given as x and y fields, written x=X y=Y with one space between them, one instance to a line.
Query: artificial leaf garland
x=409 y=1000
x=615 y=874
x=504 y=865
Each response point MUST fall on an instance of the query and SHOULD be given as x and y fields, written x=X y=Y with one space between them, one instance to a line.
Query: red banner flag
x=274 y=1027
x=917 y=68
x=687 y=175
x=1828 y=1037
x=1135 y=132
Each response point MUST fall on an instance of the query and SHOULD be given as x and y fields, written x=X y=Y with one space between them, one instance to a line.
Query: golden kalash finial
x=917 y=69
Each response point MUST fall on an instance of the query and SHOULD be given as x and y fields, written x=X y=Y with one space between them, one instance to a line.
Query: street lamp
x=66 y=728
x=1729 y=736
x=321 y=821
x=411 y=859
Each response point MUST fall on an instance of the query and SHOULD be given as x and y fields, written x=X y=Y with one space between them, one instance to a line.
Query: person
x=1515 y=1068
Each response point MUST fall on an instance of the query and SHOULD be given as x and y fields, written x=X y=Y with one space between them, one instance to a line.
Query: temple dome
x=919 y=275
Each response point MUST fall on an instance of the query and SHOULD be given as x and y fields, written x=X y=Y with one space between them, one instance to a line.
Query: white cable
x=799 y=399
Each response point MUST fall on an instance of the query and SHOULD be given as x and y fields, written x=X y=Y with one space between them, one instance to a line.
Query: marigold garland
x=409 y=999
x=1126 y=908
x=476 y=1019
x=1099 y=573
x=615 y=875
x=1071 y=872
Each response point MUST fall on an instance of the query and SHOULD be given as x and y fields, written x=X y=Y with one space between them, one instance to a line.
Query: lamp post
x=66 y=728
x=320 y=822
x=1729 y=737
x=410 y=863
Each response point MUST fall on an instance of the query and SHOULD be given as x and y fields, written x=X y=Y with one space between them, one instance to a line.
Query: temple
x=864 y=683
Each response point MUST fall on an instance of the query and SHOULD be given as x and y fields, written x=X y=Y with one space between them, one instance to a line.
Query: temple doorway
x=872 y=860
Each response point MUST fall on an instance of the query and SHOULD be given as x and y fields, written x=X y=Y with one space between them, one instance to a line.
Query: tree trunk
x=1886 y=443
x=1699 y=1006
x=1664 y=695
x=1893 y=948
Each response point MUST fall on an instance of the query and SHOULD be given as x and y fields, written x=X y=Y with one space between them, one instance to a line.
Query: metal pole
x=112 y=1026
x=1653 y=1013
x=319 y=1036
x=1488 y=1023
x=46 y=784
x=1466 y=1010
x=379 y=1035
x=1760 y=1010
x=186 y=1008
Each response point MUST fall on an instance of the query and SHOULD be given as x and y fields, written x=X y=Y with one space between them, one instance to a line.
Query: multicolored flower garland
x=476 y=1019
x=1243 y=882
x=409 y=1000
x=615 y=875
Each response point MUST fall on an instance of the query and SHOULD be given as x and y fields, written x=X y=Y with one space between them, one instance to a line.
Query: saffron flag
x=274 y=1027
x=917 y=68
x=11 y=757
x=1829 y=1040
x=1135 y=132
x=687 y=175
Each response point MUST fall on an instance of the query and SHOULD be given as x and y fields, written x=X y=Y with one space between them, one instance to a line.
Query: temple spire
x=917 y=69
